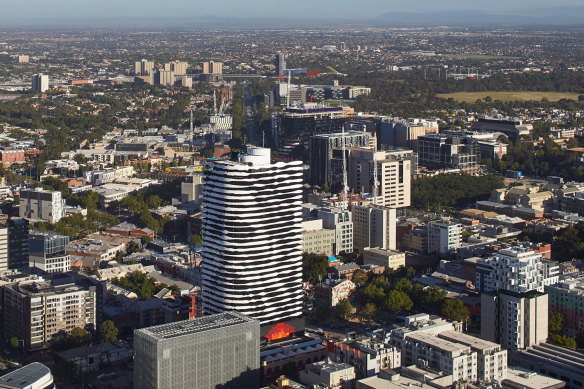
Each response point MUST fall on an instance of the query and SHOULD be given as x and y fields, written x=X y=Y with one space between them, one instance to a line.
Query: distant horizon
x=302 y=11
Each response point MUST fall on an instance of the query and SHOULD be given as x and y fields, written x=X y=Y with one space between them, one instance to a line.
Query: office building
x=292 y=128
x=212 y=67
x=34 y=311
x=341 y=222
x=32 y=376
x=252 y=237
x=449 y=151
x=383 y=257
x=324 y=170
x=516 y=269
x=179 y=68
x=394 y=174
x=40 y=83
x=192 y=189
x=143 y=68
x=373 y=226
x=511 y=127
x=18 y=230
x=328 y=375
x=216 y=351
x=40 y=204
x=47 y=251
x=316 y=239
x=404 y=133
x=280 y=64
x=444 y=236
x=567 y=298
x=514 y=320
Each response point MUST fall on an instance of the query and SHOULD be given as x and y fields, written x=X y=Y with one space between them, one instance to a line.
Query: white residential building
x=444 y=236
x=516 y=269
x=40 y=82
x=328 y=375
x=252 y=240
x=341 y=221
x=40 y=204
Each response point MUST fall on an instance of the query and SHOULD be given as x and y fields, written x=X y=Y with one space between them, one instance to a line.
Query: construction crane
x=332 y=69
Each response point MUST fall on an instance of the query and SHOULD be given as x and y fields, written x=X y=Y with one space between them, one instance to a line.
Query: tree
x=108 y=332
x=555 y=322
x=344 y=309
x=196 y=240
x=368 y=311
x=360 y=277
x=322 y=312
x=14 y=342
x=79 y=337
x=397 y=301
x=563 y=340
x=314 y=267
x=455 y=310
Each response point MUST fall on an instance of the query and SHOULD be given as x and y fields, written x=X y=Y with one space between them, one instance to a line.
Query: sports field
x=471 y=97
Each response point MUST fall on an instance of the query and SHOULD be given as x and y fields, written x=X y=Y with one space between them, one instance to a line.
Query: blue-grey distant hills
x=543 y=16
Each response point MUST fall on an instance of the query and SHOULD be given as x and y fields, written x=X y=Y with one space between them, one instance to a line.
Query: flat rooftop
x=441 y=344
x=527 y=379
x=202 y=324
x=468 y=340
x=26 y=377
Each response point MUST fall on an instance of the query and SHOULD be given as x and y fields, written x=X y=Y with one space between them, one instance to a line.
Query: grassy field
x=471 y=97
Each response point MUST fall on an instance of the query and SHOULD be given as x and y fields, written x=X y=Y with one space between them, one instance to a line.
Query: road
x=250 y=116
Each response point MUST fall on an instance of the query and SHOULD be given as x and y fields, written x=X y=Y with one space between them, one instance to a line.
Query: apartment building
x=368 y=356
x=567 y=298
x=316 y=239
x=444 y=236
x=516 y=269
x=35 y=311
x=514 y=320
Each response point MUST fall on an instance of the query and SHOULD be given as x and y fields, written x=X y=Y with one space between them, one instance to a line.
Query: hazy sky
x=346 y=9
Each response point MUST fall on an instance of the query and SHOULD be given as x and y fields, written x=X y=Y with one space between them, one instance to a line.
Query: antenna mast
x=345 y=185
x=375 y=181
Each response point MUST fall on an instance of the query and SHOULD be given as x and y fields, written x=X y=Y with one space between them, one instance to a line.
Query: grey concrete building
x=217 y=351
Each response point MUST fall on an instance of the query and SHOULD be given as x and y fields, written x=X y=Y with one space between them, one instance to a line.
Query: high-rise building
x=40 y=82
x=449 y=151
x=324 y=170
x=143 y=68
x=339 y=220
x=40 y=204
x=515 y=320
x=178 y=67
x=34 y=311
x=47 y=251
x=292 y=128
x=217 y=351
x=394 y=175
x=444 y=236
x=516 y=269
x=280 y=64
x=397 y=132
x=18 y=243
x=3 y=243
x=252 y=241
x=164 y=77
x=212 y=67
x=373 y=226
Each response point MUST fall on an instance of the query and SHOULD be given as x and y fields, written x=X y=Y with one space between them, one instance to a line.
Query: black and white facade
x=252 y=239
